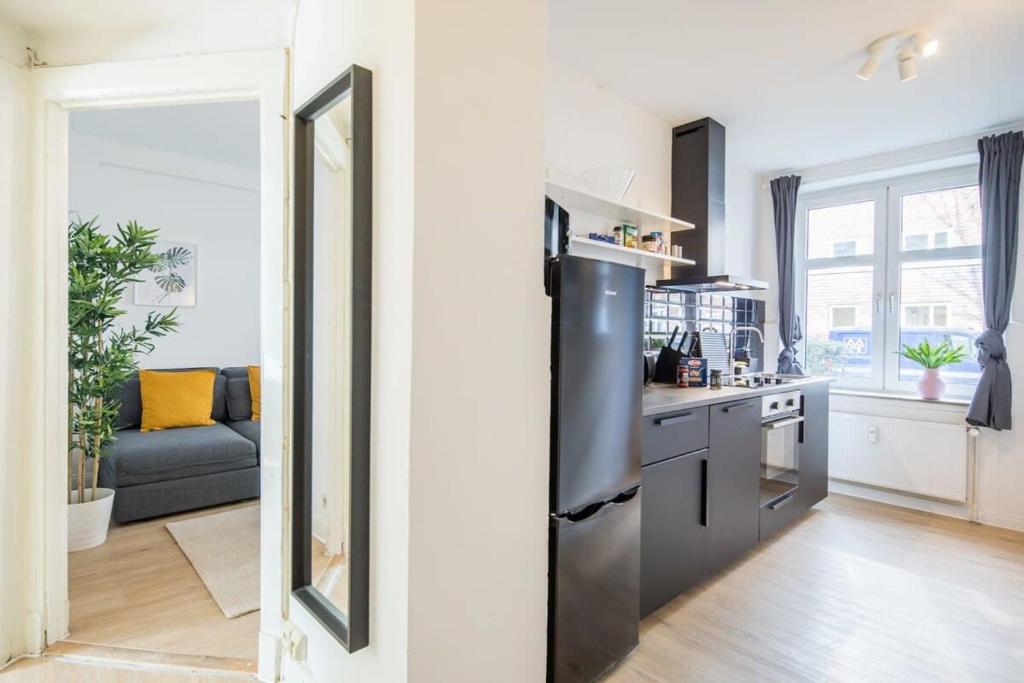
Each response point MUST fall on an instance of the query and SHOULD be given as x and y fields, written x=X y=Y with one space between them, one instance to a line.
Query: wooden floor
x=857 y=591
x=330 y=575
x=138 y=590
x=56 y=670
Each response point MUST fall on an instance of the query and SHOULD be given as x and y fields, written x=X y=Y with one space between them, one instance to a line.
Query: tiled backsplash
x=664 y=310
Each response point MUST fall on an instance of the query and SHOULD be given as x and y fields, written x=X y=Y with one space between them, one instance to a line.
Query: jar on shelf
x=649 y=243
x=629 y=236
x=659 y=241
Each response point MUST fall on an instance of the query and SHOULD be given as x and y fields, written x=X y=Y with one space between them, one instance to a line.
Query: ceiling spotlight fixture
x=925 y=46
x=915 y=44
x=869 y=67
x=907 y=65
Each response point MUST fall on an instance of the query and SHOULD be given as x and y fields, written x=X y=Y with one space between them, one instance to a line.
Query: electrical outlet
x=294 y=643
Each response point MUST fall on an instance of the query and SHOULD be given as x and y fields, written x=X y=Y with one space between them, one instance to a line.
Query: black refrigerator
x=594 y=539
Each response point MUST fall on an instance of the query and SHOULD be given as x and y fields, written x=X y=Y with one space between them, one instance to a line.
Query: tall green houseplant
x=102 y=355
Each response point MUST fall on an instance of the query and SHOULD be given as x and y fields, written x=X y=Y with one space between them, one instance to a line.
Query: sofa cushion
x=239 y=401
x=130 y=414
x=240 y=371
x=248 y=429
x=145 y=457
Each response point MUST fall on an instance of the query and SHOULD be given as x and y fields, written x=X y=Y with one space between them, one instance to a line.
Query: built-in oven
x=780 y=448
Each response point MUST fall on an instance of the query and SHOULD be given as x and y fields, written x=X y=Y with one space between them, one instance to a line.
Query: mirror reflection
x=331 y=352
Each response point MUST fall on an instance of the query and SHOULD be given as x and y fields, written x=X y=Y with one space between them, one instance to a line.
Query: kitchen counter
x=664 y=398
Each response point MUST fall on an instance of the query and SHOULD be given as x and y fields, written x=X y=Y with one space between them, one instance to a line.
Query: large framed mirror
x=332 y=346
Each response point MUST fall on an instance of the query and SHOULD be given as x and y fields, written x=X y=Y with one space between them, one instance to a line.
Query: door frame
x=262 y=75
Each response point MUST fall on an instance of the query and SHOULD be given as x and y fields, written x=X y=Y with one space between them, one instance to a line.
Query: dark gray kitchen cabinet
x=674 y=537
x=814 y=446
x=733 y=476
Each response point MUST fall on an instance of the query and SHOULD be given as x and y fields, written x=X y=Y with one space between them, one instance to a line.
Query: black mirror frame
x=351 y=629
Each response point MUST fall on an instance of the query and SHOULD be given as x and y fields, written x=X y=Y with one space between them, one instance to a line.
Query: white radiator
x=912 y=456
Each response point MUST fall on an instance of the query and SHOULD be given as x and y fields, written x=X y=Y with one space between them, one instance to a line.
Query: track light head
x=907 y=65
x=869 y=68
x=925 y=46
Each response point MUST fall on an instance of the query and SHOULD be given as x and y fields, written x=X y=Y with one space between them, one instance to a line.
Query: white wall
x=481 y=328
x=454 y=596
x=326 y=43
x=214 y=206
x=588 y=126
x=1000 y=463
x=21 y=533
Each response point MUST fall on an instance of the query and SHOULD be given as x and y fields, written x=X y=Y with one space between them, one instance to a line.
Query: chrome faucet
x=732 y=344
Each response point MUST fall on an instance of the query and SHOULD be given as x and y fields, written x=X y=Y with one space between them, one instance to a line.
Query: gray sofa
x=173 y=470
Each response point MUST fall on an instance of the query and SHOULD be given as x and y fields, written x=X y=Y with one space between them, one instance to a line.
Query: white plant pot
x=88 y=522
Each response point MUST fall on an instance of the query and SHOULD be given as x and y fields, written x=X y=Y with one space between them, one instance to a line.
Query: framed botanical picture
x=172 y=282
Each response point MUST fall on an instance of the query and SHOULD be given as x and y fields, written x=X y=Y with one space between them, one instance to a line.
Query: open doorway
x=179 y=568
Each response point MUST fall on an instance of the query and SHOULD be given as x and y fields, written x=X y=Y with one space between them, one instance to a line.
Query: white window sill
x=895 y=396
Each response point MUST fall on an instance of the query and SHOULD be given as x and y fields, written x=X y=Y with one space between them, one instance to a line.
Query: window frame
x=886 y=259
x=804 y=265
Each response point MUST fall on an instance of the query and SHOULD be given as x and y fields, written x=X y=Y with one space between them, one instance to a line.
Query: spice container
x=629 y=236
x=649 y=243
x=659 y=242
x=617 y=233
x=716 y=380
x=683 y=375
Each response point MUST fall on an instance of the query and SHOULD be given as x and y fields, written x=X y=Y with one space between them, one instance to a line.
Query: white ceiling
x=780 y=74
x=224 y=132
x=78 y=31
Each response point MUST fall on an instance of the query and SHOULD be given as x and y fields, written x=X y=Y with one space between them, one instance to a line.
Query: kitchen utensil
x=668 y=360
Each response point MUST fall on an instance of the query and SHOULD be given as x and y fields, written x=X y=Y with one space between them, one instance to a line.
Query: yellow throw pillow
x=176 y=399
x=254 y=390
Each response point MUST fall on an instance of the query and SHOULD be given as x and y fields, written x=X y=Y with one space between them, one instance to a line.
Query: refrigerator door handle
x=599 y=509
x=625 y=496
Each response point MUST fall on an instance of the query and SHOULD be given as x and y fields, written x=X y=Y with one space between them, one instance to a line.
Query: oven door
x=780 y=457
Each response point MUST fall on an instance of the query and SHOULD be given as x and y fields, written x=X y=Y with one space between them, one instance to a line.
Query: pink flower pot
x=931 y=386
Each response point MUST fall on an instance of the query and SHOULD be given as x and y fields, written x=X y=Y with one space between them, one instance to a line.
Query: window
x=843 y=316
x=889 y=264
x=844 y=248
x=925 y=315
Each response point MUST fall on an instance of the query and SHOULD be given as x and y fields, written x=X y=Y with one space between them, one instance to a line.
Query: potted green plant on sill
x=931 y=359
x=101 y=356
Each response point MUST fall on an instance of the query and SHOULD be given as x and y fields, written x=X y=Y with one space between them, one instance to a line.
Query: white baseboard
x=1002 y=521
x=938 y=507
x=958 y=510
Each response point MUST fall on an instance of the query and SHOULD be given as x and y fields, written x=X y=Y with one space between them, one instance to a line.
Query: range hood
x=698 y=196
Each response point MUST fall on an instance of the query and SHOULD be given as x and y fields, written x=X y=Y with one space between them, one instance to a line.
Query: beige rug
x=224 y=549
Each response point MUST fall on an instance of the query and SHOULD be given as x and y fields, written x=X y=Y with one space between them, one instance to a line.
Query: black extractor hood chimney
x=698 y=196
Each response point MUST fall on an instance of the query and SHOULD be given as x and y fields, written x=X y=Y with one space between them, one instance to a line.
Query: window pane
x=941 y=300
x=838 y=326
x=844 y=230
x=941 y=218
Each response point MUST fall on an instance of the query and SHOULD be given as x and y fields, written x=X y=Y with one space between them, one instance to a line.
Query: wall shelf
x=648 y=221
x=640 y=254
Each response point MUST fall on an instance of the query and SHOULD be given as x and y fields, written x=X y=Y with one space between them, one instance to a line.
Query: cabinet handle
x=781 y=503
x=667 y=421
x=779 y=424
x=739 y=406
x=705 y=466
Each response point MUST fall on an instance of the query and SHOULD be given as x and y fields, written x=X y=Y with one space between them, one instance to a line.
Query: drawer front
x=781 y=514
x=671 y=434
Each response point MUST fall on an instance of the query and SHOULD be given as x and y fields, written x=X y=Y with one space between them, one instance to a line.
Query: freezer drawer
x=593 y=597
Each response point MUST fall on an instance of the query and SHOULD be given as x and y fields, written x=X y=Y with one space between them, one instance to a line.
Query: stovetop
x=756 y=380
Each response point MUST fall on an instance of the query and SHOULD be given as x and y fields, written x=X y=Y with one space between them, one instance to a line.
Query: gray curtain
x=784 y=191
x=999 y=185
